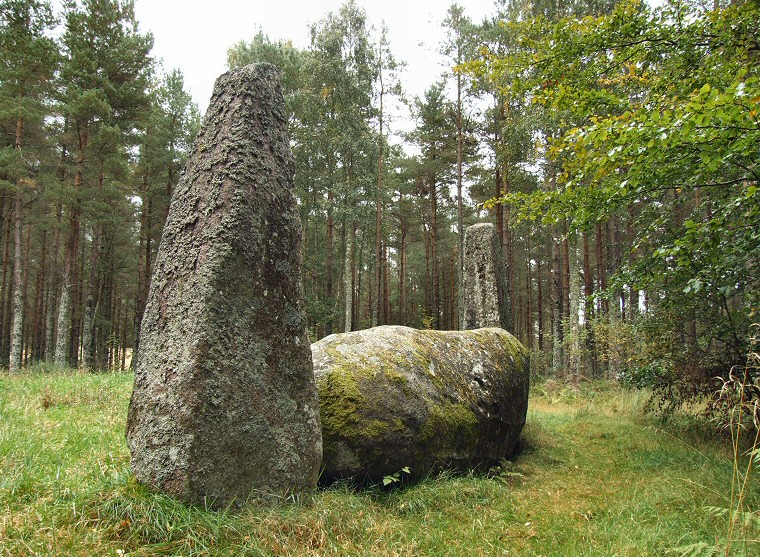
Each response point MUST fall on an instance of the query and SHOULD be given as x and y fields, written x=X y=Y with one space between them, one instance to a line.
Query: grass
x=596 y=477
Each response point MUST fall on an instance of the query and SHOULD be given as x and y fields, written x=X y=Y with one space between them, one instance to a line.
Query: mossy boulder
x=392 y=397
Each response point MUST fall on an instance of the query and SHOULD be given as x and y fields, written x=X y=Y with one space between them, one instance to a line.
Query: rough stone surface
x=224 y=406
x=392 y=397
x=484 y=287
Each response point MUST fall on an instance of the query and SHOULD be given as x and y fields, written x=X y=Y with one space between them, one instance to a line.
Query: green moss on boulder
x=393 y=397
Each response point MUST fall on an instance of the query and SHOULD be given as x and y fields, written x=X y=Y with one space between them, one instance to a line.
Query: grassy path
x=595 y=479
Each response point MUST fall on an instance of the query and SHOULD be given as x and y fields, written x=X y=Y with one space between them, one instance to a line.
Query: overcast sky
x=194 y=35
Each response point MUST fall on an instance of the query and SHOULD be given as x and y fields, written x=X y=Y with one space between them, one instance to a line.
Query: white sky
x=194 y=35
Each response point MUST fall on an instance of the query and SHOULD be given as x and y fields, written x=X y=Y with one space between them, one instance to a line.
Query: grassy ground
x=596 y=478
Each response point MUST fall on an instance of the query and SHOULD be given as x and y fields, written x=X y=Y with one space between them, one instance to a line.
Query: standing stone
x=224 y=406
x=484 y=286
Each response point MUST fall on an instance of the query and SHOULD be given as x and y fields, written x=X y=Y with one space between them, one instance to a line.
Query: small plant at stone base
x=505 y=471
x=396 y=477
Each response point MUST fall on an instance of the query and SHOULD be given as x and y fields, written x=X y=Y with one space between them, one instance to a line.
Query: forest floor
x=596 y=477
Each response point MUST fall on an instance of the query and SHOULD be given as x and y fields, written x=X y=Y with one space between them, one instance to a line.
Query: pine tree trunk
x=386 y=287
x=63 y=345
x=529 y=329
x=88 y=326
x=602 y=306
x=25 y=351
x=104 y=303
x=143 y=265
x=620 y=298
x=17 y=327
x=566 y=274
x=588 y=308
x=39 y=302
x=453 y=288
x=378 y=317
x=50 y=306
x=7 y=299
x=540 y=302
x=330 y=262
x=509 y=259
x=574 y=295
x=3 y=282
x=436 y=305
x=558 y=313
x=633 y=294
x=460 y=205
x=601 y=271
x=348 y=282
x=402 y=286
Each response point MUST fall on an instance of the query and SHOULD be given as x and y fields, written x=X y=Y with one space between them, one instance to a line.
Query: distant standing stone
x=224 y=406
x=484 y=287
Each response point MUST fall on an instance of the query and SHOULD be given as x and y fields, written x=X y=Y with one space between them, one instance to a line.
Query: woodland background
x=614 y=145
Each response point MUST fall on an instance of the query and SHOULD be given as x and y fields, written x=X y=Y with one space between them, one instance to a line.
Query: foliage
x=396 y=477
x=658 y=123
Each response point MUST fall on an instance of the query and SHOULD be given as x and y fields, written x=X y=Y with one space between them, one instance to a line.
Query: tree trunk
x=330 y=262
x=602 y=307
x=39 y=302
x=8 y=291
x=540 y=302
x=52 y=291
x=143 y=264
x=529 y=330
x=63 y=346
x=377 y=312
x=574 y=294
x=27 y=330
x=436 y=305
x=88 y=325
x=348 y=282
x=17 y=327
x=558 y=313
x=601 y=270
x=588 y=307
x=633 y=294
x=402 y=286
x=460 y=205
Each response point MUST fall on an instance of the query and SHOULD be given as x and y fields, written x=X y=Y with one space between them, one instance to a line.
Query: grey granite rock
x=224 y=406
x=392 y=397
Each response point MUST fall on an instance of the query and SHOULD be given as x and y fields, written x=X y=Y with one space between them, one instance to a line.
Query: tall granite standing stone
x=224 y=406
x=484 y=287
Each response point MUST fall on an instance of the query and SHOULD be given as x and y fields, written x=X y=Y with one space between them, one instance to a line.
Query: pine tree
x=29 y=60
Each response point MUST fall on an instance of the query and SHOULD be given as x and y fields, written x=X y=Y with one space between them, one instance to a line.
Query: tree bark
x=402 y=285
x=348 y=282
x=330 y=261
x=460 y=205
x=39 y=302
x=377 y=317
x=540 y=302
x=63 y=345
x=436 y=302
x=558 y=313
x=50 y=313
x=574 y=294
x=17 y=327
x=7 y=292
x=88 y=326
